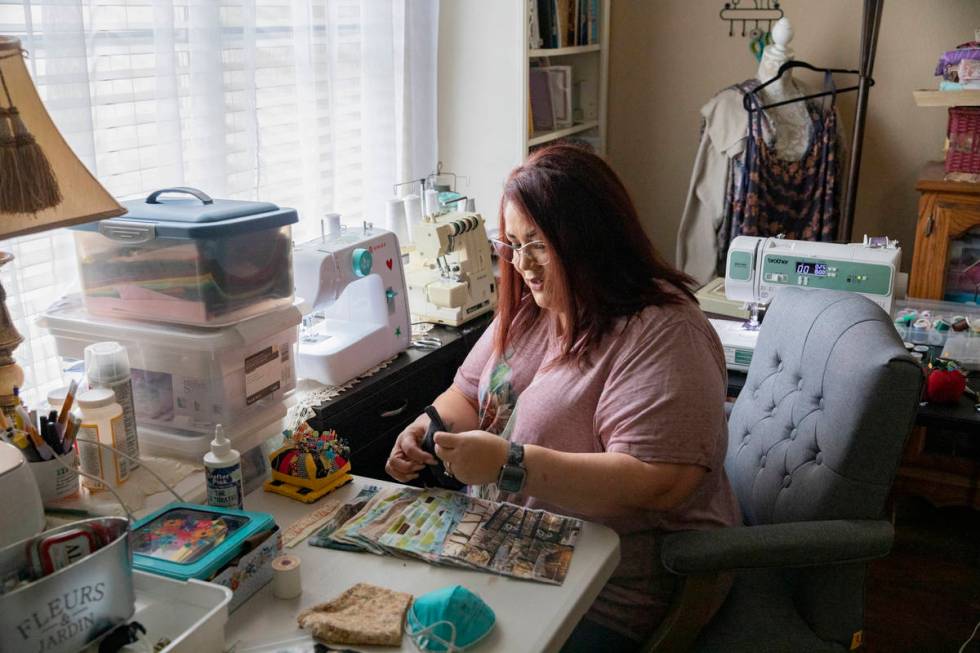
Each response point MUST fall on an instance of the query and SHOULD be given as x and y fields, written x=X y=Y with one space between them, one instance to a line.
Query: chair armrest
x=794 y=544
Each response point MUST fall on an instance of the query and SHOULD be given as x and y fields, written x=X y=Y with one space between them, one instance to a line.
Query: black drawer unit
x=372 y=413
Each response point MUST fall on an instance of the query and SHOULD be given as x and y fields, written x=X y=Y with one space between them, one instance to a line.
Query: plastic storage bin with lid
x=932 y=322
x=186 y=379
x=189 y=260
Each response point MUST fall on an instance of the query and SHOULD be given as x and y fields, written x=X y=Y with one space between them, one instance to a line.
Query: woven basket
x=963 y=131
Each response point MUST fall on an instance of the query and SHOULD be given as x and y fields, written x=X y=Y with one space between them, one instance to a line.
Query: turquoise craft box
x=233 y=548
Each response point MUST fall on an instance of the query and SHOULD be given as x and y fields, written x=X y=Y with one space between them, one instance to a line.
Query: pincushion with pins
x=310 y=458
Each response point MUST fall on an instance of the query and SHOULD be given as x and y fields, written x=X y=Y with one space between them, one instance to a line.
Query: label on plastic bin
x=262 y=374
x=224 y=486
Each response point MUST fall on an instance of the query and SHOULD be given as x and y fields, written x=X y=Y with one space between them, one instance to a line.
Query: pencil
x=66 y=406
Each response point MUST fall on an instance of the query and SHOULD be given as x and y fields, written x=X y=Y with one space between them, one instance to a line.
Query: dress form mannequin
x=790 y=122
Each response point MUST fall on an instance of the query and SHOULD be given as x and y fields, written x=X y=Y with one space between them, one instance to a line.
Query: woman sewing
x=598 y=390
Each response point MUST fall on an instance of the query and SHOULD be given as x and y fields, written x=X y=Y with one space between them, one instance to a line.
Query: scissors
x=426 y=343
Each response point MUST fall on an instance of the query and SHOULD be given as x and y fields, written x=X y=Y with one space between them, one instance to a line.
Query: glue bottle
x=102 y=422
x=107 y=366
x=223 y=471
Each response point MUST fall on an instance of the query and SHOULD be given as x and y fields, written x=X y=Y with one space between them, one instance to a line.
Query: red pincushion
x=945 y=386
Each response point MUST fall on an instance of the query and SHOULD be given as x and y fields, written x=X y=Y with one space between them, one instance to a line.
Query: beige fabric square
x=363 y=614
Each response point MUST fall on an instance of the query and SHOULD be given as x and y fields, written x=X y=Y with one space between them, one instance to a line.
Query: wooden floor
x=925 y=596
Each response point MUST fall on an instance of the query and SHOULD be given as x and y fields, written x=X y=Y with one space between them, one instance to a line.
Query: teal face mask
x=449 y=619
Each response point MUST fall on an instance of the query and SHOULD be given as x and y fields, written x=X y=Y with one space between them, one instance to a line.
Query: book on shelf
x=542 y=111
x=534 y=39
x=560 y=87
x=563 y=23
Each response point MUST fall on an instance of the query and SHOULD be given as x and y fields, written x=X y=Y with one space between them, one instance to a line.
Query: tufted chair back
x=818 y=430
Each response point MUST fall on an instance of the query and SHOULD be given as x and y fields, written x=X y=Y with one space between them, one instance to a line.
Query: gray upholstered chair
x=814 y=441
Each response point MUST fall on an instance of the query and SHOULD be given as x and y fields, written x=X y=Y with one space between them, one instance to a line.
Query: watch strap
x=515 y=454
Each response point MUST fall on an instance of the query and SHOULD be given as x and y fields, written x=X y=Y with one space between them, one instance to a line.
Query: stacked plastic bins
x=200 y=292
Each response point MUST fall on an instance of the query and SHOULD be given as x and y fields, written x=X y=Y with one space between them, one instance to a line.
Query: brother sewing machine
x=450 y=275
x=356 y=308
x=758 y=267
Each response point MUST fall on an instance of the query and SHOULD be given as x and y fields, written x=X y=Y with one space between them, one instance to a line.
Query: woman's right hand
x=407 y=457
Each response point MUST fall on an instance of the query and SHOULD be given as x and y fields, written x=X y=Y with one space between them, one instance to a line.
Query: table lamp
x=43 y=186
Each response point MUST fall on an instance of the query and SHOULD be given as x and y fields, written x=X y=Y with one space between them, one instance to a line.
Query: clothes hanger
x=751 y=106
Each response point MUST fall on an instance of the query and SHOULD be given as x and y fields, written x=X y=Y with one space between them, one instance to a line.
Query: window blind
x=295 y=102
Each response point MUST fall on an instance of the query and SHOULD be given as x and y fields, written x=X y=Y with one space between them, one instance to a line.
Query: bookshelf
x=484 y=62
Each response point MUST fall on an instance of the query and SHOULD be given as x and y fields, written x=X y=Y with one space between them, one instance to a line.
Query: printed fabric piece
x=364 y=614
x=770 y=196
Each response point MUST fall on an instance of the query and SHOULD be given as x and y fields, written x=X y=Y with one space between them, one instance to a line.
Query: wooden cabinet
x=947 y=210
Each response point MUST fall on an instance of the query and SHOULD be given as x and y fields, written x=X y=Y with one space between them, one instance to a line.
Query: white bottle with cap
x=102 y=422
x=223 y=472
x=107 y=366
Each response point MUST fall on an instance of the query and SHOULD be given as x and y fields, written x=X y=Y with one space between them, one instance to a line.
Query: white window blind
x=320 y=105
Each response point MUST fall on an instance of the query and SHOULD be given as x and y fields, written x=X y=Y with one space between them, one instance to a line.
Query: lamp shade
x=43 y=185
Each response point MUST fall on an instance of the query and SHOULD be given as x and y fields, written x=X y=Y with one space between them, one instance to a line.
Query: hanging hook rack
x=761 y=11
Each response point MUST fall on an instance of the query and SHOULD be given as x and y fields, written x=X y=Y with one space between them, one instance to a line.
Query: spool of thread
x=432 y=201
x=413 y=215
x=333 y=223
x=395 y=218
x=286 y=580
x=470 y=205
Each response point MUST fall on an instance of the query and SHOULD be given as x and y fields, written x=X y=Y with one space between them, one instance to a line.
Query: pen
x=71 y=432
x=50 y=435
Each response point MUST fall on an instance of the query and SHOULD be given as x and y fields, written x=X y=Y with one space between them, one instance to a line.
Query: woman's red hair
x=605 y=265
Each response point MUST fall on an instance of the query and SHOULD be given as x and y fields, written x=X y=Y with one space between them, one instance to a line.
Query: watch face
x=511 y=479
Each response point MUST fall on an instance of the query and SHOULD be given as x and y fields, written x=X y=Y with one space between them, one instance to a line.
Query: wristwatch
x=513 y=474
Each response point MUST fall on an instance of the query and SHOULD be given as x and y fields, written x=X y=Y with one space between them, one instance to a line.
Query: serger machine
x=450 y=276
x=355 y=306
x=758 y=267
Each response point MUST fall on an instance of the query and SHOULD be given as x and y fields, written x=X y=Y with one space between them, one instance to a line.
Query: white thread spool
x=333 y=223
x=395 y=218
x=286 y=580
x=413 y=215
x=431 y=201
x=470 y=205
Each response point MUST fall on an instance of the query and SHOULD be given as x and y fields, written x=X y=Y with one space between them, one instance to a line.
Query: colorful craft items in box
x=945 y=382
x=310 y=464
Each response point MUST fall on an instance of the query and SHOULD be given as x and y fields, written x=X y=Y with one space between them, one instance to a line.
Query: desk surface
x=530 y=616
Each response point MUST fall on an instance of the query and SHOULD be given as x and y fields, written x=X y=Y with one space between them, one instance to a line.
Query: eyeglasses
x=536 y=251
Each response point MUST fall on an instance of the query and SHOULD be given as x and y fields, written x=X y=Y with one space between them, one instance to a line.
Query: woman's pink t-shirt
x=655 y=390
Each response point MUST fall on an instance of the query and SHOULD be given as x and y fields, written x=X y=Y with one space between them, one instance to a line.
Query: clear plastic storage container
x=931 y=322
x=185 y=379
x=197 y=261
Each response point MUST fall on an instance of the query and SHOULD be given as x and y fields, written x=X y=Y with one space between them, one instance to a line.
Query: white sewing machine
x=355 y=306
x=450 y=275
x=758 y=267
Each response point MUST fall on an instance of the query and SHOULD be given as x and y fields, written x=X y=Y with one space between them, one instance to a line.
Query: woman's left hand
x=473 y=457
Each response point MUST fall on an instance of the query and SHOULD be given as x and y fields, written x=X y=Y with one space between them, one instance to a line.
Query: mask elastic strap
x=423 y=635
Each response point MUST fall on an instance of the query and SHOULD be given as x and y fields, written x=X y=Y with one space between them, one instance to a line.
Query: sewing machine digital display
x=811 y=268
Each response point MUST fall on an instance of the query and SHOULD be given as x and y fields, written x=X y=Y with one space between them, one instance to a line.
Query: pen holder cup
x=54 y=480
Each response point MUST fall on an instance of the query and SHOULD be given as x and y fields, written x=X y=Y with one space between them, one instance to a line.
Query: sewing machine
x=450 y=275
x=758 y=267
x=355 y=306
